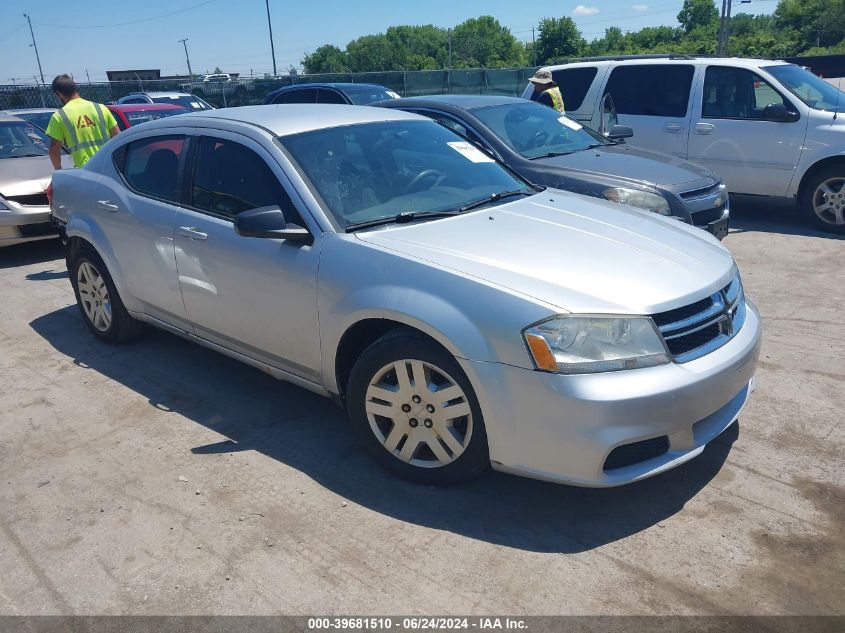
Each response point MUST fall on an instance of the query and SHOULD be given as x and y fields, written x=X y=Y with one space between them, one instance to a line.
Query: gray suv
x=557 y=151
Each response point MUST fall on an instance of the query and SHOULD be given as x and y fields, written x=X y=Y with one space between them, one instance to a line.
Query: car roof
x=161 y=93
x=13 y=111
x=286 y=119
x=464 y=102
x=338 y=85
x=143 y=107
x=741 y=62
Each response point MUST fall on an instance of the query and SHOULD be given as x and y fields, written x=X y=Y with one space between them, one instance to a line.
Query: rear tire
x=98 y=300
x=414 y=410
x=824 y=199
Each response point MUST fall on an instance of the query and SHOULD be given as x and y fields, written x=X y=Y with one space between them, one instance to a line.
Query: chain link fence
x=251 y=91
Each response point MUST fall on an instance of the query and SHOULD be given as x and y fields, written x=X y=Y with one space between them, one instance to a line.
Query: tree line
x=796 y=27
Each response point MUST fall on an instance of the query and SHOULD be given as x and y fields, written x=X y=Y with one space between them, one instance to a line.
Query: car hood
x=631 y=163
x=27 y=175
x=572 y=252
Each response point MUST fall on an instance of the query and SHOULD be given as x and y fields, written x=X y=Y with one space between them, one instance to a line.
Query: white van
x=769 y=128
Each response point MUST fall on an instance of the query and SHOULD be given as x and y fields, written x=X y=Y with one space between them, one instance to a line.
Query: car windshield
x=186 y=101
x=535 y=130
x=365 y=96
x=370 y=171
x=141 y=116
x=39 y=119
x=812 y=90
x=19 y=139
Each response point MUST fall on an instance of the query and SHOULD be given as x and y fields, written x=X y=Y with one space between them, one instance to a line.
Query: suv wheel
x=97 y=298
x=824 y=199
x=415 y=411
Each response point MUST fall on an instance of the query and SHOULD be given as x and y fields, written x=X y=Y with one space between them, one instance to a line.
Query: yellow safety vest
x=83 y=126
x=557 y=98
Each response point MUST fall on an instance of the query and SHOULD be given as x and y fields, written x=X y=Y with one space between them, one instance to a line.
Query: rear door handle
x=704 y=128
x=108 y=205
x=193 y=233
x=673 y=128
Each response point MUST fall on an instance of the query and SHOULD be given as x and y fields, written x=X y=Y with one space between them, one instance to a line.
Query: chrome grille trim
x=724 y=316
x=702 y=192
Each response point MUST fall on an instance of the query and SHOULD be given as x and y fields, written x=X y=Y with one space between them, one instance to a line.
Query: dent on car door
x=137 y=203
x=256 y=296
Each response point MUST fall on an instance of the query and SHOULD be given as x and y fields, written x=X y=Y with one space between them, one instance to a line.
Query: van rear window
x=574 y=84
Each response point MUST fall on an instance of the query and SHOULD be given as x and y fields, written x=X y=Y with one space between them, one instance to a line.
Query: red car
x=132 y=114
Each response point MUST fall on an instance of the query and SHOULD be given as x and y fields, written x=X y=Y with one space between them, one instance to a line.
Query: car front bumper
x=563 y=428
x=25 y=224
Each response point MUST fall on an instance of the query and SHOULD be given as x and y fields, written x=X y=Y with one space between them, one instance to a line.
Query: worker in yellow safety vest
x=81 y=126
x=546 y=90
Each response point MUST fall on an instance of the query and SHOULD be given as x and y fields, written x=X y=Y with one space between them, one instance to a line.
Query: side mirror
x=778 y=113
x=618 y=132
x=270 y=222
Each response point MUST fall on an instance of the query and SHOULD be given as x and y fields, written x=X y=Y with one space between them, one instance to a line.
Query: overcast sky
x=83 y=35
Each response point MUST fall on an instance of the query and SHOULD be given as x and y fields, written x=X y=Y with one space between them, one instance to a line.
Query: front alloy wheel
x=414 y=410
x=419 y=413
x=829 y=201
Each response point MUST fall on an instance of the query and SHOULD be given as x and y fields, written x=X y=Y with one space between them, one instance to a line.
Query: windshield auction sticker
x=572 y=125
x=470 y=151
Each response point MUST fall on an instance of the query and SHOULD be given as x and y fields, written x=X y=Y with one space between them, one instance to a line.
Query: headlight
x=640 y=199
x=581 y=345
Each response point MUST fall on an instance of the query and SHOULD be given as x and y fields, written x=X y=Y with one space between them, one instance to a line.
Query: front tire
x=98 y=300
x=824 y=199
x=415 y=412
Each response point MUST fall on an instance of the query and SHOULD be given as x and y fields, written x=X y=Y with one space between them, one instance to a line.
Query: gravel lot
x=162 y=478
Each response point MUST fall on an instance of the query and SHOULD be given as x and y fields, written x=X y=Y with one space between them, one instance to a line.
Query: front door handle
x=193 y=233
x=108 y=205
x=673 y=128
x=704 y=128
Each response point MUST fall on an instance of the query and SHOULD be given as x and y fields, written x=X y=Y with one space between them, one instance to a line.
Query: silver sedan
x=464 y=317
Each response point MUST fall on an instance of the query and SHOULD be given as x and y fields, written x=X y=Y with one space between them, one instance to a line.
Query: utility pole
x=270 y=26
x=533 y=46
x=725 y=27
x=450 y=49
x=40 y=72
x=89 y=76
x=187 y=59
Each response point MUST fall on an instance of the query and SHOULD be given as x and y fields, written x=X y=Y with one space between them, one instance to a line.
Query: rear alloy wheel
x=414 y=409
x=94 y=297
x=825 y=199
x=98 y=300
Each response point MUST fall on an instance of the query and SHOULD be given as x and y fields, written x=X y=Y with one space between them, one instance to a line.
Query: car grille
x=701 y=327
x=32 y=200
x=700 y=193
x=636 y=452
x=702 y=218
x=36 y=230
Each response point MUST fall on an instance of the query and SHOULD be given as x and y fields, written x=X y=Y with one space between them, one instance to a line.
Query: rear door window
x=660 y=90
x=329 y=96
x=737 y=93
x=306 y=95
x=150 y=166
x=574 y=83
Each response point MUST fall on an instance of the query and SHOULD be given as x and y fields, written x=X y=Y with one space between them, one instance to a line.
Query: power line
x=150 y=19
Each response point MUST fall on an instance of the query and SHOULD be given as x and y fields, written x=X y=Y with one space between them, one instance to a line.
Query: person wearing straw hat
x=546 y=90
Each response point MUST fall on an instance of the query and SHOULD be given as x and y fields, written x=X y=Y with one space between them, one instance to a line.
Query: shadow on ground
x=31 y=253
x=309 y=433
x=773 y=215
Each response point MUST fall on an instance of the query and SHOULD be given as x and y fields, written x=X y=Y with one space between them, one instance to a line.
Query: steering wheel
x=539 y=139
x=428 y=173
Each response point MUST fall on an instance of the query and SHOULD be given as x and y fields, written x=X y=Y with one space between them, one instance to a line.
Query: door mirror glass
x=270 y=222
x=618 y=132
